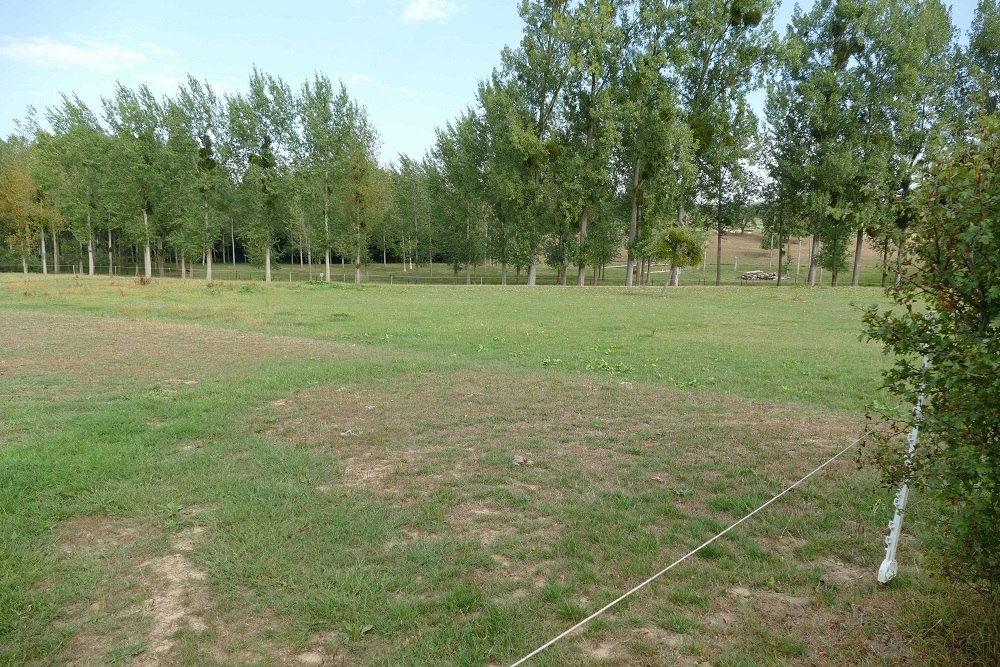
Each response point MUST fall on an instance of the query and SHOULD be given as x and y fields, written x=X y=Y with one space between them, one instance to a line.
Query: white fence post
x=889 y=566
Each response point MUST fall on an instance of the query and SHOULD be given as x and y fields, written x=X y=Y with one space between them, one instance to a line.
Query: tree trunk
x=24 y=264
x=326 y=261
x=835 y=255
x=781 y=243
x=675 y=276
x=885 y=260
x=581 y=269
x=813 y=251
x=633 y=225
x=232 y=240
x=111 y=259
x=858 y=246
x=184 y=273
x=147 y=255
x=55 y=251
x=90 y=246
x=503 y=273
x=718 y=229
x=532 y=273
x=267 y=264
x=208 y=252
x=718 y=252
x=357 y=251
x=899 y=266
x=667 y=277
x=798 y=261
x=45 y=263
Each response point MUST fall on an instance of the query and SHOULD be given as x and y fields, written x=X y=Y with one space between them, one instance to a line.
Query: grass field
x=310 y=474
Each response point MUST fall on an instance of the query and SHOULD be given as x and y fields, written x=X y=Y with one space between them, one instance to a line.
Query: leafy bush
x=948 y=306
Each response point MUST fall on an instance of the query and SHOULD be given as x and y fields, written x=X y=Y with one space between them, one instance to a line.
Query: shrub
x=948 y=306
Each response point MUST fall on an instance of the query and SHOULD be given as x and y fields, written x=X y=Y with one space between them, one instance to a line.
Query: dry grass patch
x=428 y=432
x=85 y=352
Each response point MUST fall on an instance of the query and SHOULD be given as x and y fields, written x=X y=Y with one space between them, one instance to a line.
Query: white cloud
x=156 y=49
x=400 y=90
x=428 y=10
x=358 y=79
x=82 y=54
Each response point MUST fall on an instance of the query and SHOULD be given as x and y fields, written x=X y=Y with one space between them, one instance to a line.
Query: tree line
x=613 y=124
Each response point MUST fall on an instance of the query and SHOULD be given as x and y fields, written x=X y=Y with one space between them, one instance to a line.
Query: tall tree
x=18 y=213
x=727 y=45
x=505 y=184
x=906 y=68
x=589 y=132
x=363 y=193
x=457 y=183
x=135 y=174
x=984 y=54
x=325 y=117
x=202 y=117
x=79 y=147
x=260 y=130
x=537 y=73
x=654 y=157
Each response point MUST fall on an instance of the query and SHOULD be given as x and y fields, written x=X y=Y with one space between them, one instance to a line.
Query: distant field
x=309 y=474
x=741 y=253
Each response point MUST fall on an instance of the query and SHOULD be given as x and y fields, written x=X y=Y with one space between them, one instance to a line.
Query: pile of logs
x=761 y=275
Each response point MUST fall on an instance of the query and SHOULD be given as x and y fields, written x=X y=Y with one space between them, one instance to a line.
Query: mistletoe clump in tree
x=948 y=308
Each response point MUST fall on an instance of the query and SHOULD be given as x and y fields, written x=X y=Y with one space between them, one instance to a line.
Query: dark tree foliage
x=948 y=307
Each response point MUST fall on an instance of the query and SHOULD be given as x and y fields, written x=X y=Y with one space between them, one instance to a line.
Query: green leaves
x=950 y=310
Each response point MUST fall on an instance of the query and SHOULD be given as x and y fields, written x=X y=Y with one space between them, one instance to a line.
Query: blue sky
x=414 y=64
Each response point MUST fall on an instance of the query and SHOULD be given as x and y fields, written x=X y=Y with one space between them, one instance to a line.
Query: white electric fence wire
x=682 y=558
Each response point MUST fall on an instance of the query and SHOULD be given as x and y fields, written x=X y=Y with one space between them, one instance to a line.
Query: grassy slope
x=309 y=472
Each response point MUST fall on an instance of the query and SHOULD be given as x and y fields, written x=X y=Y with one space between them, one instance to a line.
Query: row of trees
x=627 y=123
x=614 y=123
x=189 y=176
x=609 y=124
x=867 y=90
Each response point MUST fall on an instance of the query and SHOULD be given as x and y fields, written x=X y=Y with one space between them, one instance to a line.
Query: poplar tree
x=79 y=146
x=456 y=178
x=260 y=130
x=589 y=132
x=654 y=155
x=208 y=185
x=984 y=55
x=537 y=72
x=324 y=117
x=726 y=46
x=135 y=174
x=363 y=193
x=505 y=186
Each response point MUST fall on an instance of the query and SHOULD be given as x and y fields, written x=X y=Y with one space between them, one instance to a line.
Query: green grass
x=315 y=470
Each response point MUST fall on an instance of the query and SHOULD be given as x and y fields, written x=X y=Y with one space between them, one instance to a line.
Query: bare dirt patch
x=160 y=606
x=178 y=600
x=99 y=533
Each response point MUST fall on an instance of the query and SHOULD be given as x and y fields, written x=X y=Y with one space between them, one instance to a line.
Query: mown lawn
x=314 y=474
